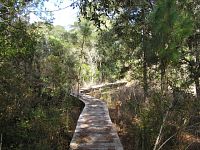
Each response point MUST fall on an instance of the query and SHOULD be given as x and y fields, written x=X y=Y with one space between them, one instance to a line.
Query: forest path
x=94 y=130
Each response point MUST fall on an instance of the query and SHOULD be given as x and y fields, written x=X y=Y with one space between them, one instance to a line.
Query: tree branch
x=56 y=9
x=167 y=141
x=150 y=3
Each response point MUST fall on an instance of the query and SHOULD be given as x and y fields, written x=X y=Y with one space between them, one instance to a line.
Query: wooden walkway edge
x=94 y=130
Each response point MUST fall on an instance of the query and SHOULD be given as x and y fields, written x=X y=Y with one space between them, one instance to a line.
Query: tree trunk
x=80 y=60
x=197 y=85
x=196 y=80
x=145 y=78
x=145 y=86
x=163 y=77
x=1 y=141
x=194 y=65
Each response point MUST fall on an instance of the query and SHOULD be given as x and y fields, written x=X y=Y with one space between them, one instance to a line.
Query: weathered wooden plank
x=94 y=130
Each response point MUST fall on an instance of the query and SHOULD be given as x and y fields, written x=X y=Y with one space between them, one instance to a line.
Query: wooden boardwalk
x=94 y=130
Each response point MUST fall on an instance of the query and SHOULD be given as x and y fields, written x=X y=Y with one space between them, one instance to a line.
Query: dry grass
x=137 y=120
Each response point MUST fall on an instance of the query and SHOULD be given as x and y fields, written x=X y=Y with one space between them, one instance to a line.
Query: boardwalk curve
x=94 y=130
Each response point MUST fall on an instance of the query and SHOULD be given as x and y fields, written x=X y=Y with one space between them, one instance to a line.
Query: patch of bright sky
x=64 y=17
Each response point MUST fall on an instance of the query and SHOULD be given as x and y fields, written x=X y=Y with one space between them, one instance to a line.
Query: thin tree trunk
x=193 y=46
x=80 y=58
x=67 y=118
x=145 y=82
x=38 y=76
x=163 y=78
x=197 y=85
x=1 y=141
x=145 y=86
x=197 y=75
